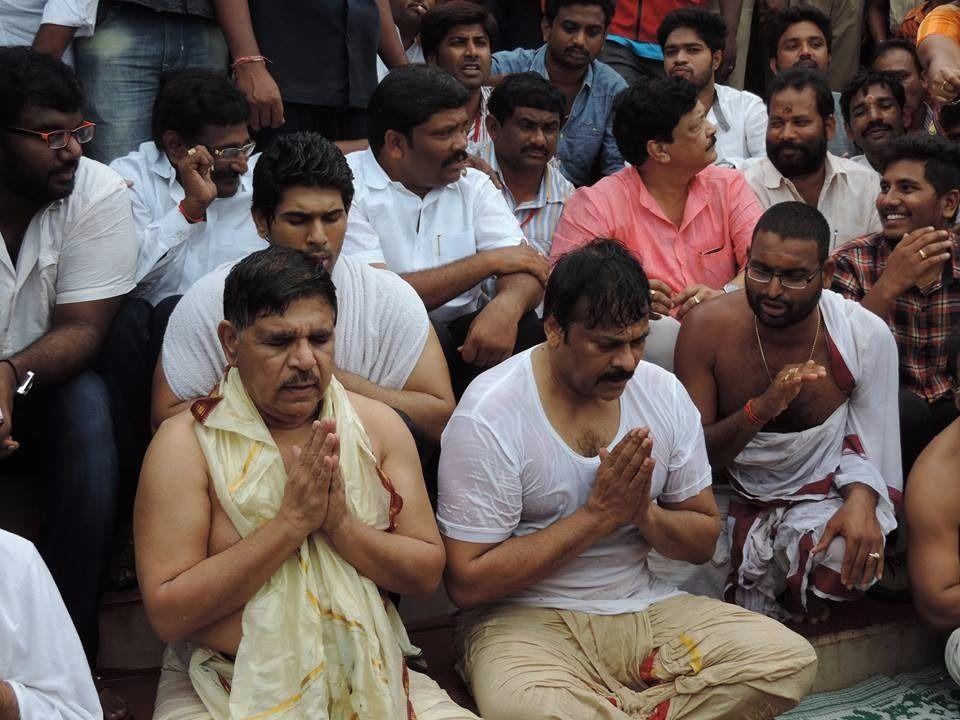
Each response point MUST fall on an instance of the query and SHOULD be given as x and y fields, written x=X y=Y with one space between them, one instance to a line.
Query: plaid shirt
x=920 y=322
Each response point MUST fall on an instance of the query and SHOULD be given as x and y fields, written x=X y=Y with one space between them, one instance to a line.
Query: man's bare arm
x=53 y=39
x=389 y=48
x=479 y=573
x=933 y=521
x=183 y=589
x=441 y=284
x=686 y=530
x=9 y=710
x=409 y=560
x=427 y=396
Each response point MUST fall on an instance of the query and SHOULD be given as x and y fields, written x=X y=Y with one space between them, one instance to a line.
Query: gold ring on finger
x=696 y=300
x=923 y=255
x=192 y=151
x=873 y=555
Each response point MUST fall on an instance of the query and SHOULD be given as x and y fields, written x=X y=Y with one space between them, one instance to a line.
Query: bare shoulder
x=384 y=426
x=174 y=454
x=710 y=320
x=932 y=489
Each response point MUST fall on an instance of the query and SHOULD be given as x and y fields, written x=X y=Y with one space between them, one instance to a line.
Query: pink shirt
x=710 y=246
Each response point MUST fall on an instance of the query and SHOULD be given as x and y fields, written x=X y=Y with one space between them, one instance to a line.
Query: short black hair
x=599 y=284
x=940 y=158
x=267 y=281
x=650 y=109
x=552 y=8
x=709 y=26
x=949 y=117
x=796 y=221
x=31 y=78
x=863 y=81
x=194 y=99
x=303 y=159
x=409 y=96
x=882 y=48
x=800 y=79
x=440 y=20
x=526 y=89
x=783 y=20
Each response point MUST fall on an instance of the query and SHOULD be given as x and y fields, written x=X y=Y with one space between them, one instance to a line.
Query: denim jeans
x=124 y=63
x=66 y=441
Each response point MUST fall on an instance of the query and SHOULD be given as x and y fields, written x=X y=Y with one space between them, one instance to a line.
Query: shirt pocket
x=714 y=266
x=449 y=247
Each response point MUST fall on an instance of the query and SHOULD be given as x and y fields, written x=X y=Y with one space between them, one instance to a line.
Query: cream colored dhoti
x=685 y=657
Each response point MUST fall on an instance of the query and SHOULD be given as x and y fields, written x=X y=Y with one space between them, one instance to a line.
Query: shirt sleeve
x=495 y=225
x=611 y=159
x=755 y=126
x=361 y=241
x=689 y=470
x=507 y=62
x=99 y=255
x=79 y=14
x=846 y=275
x=48 y=673
x=480 y=493
x=743 y=215
x=581 y=221
x=192 y=358
x=944 y=20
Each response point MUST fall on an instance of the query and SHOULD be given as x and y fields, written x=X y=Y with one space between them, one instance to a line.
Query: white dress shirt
x=741 y=121
x=77 y=249
x=847 y=200
x=411 y=233
x=40 y=653
x=20 y=20
x=174 y=253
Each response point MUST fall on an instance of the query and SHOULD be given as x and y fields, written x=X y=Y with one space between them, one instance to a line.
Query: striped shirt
x=538 y=218
x=921 y=321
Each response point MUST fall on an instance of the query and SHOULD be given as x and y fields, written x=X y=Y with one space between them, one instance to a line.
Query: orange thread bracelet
x=751 y=415
x=244 y=59
x=191 y=220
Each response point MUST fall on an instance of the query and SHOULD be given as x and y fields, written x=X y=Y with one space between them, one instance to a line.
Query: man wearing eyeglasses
x=191 y=184
x=797 y=392
x=67 y=258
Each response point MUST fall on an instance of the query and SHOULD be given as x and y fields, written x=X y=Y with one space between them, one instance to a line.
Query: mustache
x=457 y=157
x=304 y=377
x=617 y=376
x=534 y=148
x=878 y=125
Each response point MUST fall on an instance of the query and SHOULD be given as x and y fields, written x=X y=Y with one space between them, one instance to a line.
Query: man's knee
x=80 y=410
x=530 y=701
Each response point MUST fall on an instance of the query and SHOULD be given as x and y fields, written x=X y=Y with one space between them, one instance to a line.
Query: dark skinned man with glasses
x=68 y=256
x=797 y=392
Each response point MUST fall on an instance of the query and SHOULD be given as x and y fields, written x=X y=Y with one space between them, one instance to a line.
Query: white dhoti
x=788 y=485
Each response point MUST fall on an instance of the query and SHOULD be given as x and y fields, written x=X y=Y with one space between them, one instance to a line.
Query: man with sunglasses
x=67 y=258
x=797 y=392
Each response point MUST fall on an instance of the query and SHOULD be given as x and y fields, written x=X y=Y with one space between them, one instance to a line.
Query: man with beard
x=561 y=469
x=69 y=255
x=272 y=519
x=687 y=221
x=873 y=111
x=442 y=226
x=909 y=275
x=799 y=166
x=457 y=37
x=796 y=388
x=302 y=192
x=191 y=184
x=692 y=41
x=801 y=37
x=574 y=31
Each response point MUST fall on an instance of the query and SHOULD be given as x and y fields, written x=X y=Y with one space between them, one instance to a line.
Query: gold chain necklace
x=816 y=336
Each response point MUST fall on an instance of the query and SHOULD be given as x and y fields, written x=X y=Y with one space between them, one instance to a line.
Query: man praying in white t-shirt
x=560 y=470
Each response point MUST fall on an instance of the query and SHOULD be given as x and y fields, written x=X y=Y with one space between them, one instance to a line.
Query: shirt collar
x=539 y=65
x=549 y=191
x=772 y=178
x=717 y=109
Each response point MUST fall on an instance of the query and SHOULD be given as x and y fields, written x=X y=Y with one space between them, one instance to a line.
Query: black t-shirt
x=322 y=52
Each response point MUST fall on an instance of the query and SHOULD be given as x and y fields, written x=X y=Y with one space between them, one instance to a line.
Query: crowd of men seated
x=511 y=318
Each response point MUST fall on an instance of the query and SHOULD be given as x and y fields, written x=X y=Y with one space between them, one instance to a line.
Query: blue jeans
x=124 y=63
x=66 y=439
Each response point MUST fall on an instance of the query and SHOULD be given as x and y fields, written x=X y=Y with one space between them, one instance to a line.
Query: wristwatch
x=22 y=387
